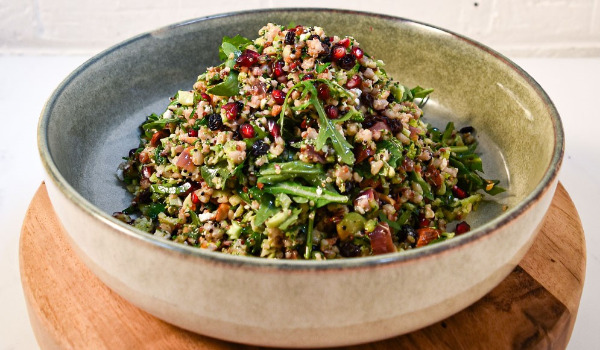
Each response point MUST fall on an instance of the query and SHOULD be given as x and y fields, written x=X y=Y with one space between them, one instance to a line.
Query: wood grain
x=534 y=307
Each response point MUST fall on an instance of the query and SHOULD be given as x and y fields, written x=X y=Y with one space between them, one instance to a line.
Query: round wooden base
x=534 y=307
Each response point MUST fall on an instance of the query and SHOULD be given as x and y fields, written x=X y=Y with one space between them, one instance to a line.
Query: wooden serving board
x=534 y=307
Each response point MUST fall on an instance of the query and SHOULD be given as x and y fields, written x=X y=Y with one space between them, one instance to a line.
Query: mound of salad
x=300 y=146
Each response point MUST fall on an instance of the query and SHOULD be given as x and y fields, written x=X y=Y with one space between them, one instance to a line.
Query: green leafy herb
x=161 y=189
x=394 y=146
x=267 y=209
x=320 y=196
x=238 y=42
x=210 y=173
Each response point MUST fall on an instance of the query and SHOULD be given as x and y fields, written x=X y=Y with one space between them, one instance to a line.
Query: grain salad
x=300 y=146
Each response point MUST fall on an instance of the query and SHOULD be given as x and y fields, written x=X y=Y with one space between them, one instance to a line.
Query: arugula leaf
x=294 y=167
x=152 y=210
x=159 y=124
x=309 y=234
x=419 y=92
x=161 y=189
x=228 y=87
x=320 y=196
x=322 y=66
x=394 y=146
x=210 y=173
x=416 y=176
x=267 y=209
x=238 y=42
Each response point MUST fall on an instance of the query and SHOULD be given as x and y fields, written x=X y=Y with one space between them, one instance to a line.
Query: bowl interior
x=92 y=119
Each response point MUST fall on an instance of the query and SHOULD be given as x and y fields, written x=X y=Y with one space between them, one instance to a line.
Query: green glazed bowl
x=92 y=120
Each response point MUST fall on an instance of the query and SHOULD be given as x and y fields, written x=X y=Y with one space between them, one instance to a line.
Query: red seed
x=462 y=227
x=274 y=128
x=278 y=96
x=459 y=192
x=303 y=124
x=278 y=69
x=248 y=58
x=332 y=112
x=293 y=65
x=193 y=133
x=308 y=76
x=195 y=198
x=247 y=131
x=231 y=110
x=354 y=82
x=357 y=52
x=323 y=92
x=299 y=30
x=344 y=42
x=338 y=52
x=423 y=221
x=206 y=97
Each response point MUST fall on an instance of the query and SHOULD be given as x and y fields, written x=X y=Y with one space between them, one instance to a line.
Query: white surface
x=523 y=27
x=27 y=81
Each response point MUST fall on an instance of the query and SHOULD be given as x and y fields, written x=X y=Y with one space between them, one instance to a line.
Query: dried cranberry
x=332 y=111
x=195 y=198
x=248 y=58
x=278 y=96
x=247 y=131
x=215 y=122
x=278 y=69
x=259 y=148
x=357 y=52
x=273 y=127
x=231 y=110
x=405 y=232
x=338 y=52
x=349 y=249
x=193 y=133
x=344 y=42
x=459 y=192
x=308 y=76
x=290 y=37
x=323 y=92
x=462 y=227
x=366 y=99
x=347 y=62
x=467 y=129
x=354 y=82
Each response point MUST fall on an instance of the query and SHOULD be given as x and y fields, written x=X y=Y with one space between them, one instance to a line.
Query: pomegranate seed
x=323 y=92
x=293 y=65
x=248 y=58
x=462 y=227
x=195 y=198
x=231 y=110
x=332 y=111
x=278 y=69
x=303 y=124
x=357 y=52
x=308 y=76
x=344 y=42
x=193 y=133
x=206 y=97
x=423 y=221
x=247 y=131
x=338 y=52
x=274 y=128
x=278 y=96
x=354 y=82
x=459 y=192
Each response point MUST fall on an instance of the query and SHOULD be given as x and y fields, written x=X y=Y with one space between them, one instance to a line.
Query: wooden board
x=534 y=307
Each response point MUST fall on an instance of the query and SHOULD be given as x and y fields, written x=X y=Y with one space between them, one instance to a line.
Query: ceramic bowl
x=91 y=121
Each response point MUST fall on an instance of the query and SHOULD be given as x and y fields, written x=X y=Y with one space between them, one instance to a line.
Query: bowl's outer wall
x=94 y=116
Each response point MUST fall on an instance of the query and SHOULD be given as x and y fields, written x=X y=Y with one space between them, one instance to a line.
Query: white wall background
x=567 y=28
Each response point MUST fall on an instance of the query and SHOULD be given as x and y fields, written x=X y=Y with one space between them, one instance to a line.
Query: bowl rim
x=480 y=232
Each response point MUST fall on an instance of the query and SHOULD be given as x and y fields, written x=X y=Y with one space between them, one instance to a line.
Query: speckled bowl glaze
x=91 y=121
